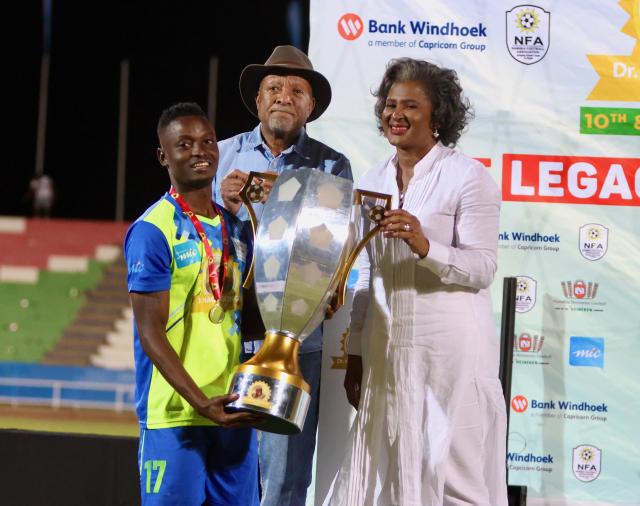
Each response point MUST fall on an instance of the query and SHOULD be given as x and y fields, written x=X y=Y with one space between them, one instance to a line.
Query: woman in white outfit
x=423 y=349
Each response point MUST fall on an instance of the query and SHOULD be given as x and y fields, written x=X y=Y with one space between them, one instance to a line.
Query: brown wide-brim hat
x=285 y=61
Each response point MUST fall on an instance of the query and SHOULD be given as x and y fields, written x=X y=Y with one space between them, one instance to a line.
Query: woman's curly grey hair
x=451 y=111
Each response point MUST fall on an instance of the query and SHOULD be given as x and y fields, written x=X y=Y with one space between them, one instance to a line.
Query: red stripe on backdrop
x=571 y=179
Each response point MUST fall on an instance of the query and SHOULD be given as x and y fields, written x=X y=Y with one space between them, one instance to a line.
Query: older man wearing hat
x=284 y=94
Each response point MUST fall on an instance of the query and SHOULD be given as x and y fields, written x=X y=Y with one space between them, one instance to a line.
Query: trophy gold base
x=270 y=384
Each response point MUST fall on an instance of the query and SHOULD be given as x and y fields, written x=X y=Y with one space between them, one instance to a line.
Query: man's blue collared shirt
x=248 y=151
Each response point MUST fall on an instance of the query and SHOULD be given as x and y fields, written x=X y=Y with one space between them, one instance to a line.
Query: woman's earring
x=436 y=134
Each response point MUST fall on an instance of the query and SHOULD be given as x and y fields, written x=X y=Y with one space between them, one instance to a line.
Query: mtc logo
x=350 y=26
x=519 y=403
x=586 y=351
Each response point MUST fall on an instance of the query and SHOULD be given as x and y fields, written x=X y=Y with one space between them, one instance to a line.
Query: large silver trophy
x=305 y=246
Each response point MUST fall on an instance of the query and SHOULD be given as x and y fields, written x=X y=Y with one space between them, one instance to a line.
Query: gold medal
x=216 y=314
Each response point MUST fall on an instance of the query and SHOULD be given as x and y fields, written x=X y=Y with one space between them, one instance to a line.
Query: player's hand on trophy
x=332 y=307
x=230 y=190
x=213 y=409
x=329 y=312
x=353 y=379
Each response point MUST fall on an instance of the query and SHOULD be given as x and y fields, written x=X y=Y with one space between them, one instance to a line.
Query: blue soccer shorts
x=189 y=466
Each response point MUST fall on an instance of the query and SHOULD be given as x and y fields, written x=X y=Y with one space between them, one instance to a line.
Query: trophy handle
x=244 y=195
x=346 y=268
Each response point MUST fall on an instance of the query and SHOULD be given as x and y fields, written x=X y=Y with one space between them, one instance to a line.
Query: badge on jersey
x=186 y=253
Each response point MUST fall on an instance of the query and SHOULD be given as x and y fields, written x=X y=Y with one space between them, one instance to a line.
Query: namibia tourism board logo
x=527 y=350
x=527 y=343
x=594 y=241
x=579 y=295
x=525 y=294
x=579 y=289
x=528 y=33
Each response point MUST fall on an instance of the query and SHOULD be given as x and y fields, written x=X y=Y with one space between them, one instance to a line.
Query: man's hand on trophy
x=230 y=190
x=267 y=185
x=213 y=409
x=353 y=379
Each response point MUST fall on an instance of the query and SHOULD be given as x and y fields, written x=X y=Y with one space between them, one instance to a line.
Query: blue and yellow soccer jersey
x=163 y=252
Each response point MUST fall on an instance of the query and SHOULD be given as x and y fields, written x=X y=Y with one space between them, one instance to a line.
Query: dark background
x=168 y=45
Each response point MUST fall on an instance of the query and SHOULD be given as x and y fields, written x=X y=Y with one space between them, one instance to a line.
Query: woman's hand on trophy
x=400 y=224
x=230 y=190
x=213 y=409
x=353 y=379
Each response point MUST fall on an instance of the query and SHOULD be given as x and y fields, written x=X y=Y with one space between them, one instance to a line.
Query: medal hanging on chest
x=216 y=283
x=216 y=313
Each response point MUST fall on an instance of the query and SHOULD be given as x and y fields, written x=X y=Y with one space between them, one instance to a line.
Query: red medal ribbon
x=213 y=272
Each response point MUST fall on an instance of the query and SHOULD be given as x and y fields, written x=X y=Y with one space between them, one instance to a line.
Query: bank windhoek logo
x=519 y=403
x=350 y=26
x=528 y=33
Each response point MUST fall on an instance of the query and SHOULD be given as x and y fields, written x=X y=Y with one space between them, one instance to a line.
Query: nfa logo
x=525 y=294
x=586 y=462
x=586 y=351
x=528 y=343
x=579 y=289
x=350 y=26
x=519 y=403
x=528 y=29
x=594 y=239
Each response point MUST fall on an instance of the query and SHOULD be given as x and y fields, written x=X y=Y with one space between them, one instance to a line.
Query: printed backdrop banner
x=556 y=91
